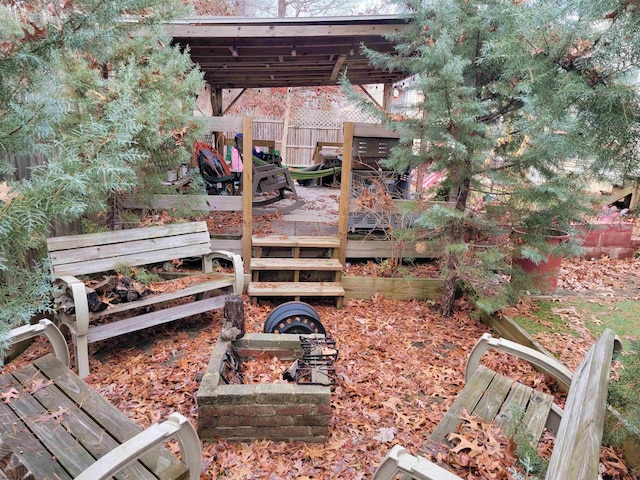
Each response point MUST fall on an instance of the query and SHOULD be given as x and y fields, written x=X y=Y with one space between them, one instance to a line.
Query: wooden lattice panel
x=329 y=119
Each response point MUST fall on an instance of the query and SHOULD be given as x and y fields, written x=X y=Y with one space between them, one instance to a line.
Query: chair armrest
x=238 y=267
x=399 y=461
x=48 y=329
x=80 y=303
x=135 y=447
x=550 y=365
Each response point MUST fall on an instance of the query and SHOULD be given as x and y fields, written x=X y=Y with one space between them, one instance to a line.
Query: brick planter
x=279 y=412
x=607 y=239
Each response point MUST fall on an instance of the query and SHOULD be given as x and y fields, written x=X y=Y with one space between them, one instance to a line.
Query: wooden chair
x=55 y=426
x=492 y=397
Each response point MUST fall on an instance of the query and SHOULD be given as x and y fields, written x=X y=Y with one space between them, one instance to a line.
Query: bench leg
x=82 y=354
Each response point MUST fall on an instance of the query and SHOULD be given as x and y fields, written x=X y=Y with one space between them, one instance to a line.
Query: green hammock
x=304 y=173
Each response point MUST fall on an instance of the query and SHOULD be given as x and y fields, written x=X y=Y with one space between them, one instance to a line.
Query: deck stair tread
x=295 y=289
x=304 y=241
x=302 y=264
x=280 y=262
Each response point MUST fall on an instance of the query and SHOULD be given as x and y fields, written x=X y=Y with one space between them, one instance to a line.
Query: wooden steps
x=295 y=289
x=293 y=264
x=296 y=267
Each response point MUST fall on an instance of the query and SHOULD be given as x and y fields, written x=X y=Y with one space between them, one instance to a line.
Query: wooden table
x=53 y=425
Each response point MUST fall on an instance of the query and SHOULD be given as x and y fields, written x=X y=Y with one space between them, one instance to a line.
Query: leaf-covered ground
x=399 y=368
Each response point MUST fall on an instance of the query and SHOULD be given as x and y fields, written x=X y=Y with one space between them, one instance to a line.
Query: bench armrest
x=399 y=461
x=80 y=303
x=137 y=446
x=48 y=329
x=238 y=267
x=550 y=365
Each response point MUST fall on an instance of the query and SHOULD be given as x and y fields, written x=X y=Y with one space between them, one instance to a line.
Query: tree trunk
x=282 y=8
x=455 y=235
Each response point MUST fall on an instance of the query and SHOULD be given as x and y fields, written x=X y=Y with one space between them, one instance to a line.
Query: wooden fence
x=305 y=129
x=301 y=141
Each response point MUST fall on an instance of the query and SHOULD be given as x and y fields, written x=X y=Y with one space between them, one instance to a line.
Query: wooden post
x=216 y=101
x=247 y=192
x=345 y=189
x=234 y=313
x=387 y=97
x=633 y=204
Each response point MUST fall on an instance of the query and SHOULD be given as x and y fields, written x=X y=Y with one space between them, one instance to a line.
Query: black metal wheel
x=294 y=317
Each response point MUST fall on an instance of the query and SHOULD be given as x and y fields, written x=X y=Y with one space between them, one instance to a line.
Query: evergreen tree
x=514 y=93
x=97 y=89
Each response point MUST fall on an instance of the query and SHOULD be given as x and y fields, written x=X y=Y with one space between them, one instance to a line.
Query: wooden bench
x=55 y=426
x=495 y=398
x=72 y=256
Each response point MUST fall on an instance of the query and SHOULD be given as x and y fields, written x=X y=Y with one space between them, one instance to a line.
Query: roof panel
x=239 y=52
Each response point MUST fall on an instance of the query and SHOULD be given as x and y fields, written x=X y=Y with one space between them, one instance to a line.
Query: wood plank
x=124 y=248
x=299 y=264
x=516 y=403
x=207 y=203
x=86 y=432
x=247 y=195
x=367 y=248
x=223 y=124
x=26 y=448
x=535 y=418
x=466 y=400
x=396 y=288
x=373 y=130
x=233 y=245
x=71 y=456
x=120 y=427
x=142 y=258
x=576 y=454
x=105 y=238
x=305 y=241
x=493 y=398
x=196 y=288
x=127 y=325
x=293 y=289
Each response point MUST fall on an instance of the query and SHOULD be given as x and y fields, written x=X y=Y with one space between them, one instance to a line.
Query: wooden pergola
x=243 y=53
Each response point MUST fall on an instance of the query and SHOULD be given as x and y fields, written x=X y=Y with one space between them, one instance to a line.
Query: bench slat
x=85 y=431
x=73 y=457
x=466 y=400
x=98 y=251
x=105 y=238
x=120 y=427
x=196 y=288
x=142 y=258
x=28 y=450
x=127 y=325
x=577 y=447
x=493 y=398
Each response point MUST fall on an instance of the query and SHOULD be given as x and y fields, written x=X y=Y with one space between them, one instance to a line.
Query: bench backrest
x=100 y=252
x=576 y=453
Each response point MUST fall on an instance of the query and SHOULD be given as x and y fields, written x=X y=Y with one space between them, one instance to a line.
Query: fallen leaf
x=9 y=395
x=385 y=434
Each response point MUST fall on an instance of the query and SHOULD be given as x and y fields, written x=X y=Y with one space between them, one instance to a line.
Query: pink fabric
x=236 y=161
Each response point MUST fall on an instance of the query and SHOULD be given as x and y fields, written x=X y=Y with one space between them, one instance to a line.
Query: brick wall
x=280 y=412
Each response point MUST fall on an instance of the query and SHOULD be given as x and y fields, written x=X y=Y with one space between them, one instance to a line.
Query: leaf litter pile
x=400 y=366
